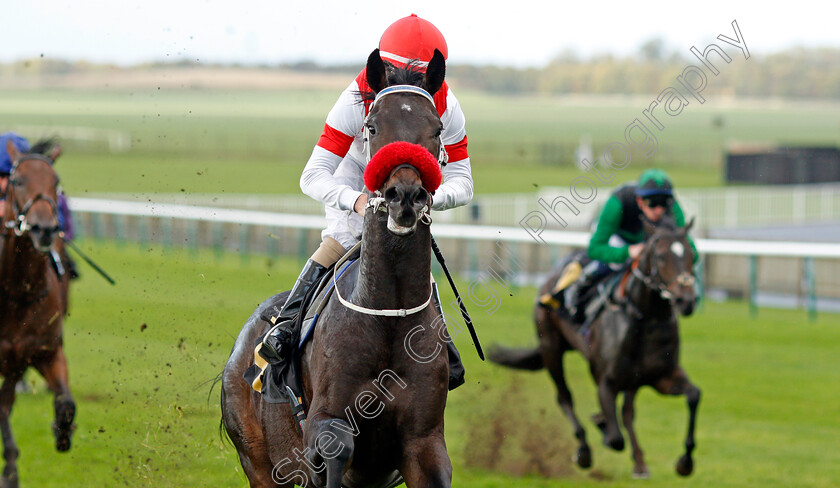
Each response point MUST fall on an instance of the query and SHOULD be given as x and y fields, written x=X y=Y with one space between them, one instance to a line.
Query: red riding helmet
x=411 y=38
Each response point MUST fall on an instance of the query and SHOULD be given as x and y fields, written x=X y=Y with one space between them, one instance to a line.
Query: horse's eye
x=371 y=129
x=439 y=132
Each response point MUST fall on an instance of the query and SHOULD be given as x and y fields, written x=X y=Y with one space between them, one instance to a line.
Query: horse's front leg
x=628 y=411
x=329 y=447
x=426 y=463
x=54 y=370
x=612 y=434
x=679 y=384
x=10 y=449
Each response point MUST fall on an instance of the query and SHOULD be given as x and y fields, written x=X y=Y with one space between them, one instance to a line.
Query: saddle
x=597 y=297
x=592 y=298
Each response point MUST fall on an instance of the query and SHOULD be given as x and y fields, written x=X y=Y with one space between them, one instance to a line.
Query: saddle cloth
x=272 y=380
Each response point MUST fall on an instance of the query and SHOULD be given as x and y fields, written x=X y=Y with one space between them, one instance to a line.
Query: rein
x=443 y=157
x=377 y=204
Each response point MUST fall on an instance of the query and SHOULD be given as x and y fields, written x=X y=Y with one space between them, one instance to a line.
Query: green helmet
x=654 y=182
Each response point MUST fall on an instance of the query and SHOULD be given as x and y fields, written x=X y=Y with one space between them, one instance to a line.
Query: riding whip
x=464 y=312
x=87 y=259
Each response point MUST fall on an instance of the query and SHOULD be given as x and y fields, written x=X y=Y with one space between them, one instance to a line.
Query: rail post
x=811 y=284
x=753 y=285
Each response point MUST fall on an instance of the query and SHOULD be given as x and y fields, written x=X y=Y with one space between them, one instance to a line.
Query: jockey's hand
x=635 y=250
x=359 y=206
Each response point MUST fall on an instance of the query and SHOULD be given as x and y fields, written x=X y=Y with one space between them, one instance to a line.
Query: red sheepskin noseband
x=383 y=163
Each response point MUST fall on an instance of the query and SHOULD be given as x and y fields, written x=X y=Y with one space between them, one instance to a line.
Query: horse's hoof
x=640 y=472
x=583 y=458
x=616 y=443
x=63 y=436
x=685 y=465
x=62 y=444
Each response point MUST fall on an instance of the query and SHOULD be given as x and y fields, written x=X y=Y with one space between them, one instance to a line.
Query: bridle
x=19 y=224
x=653 y=282
x=400 y=312
x=442 y=158
x=379 y=204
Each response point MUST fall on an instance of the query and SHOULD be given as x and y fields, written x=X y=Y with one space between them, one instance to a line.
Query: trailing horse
x=633 y=342
x=33 y=297
x=375 y=374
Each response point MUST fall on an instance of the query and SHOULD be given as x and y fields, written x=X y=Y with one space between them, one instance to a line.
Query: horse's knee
x=10 y=452
x=331 y=446
x=333 y=440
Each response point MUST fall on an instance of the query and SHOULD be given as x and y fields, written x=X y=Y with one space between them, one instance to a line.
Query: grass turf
x=142 y=356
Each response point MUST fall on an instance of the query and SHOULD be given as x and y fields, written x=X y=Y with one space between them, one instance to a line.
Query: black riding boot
x=577 y=293
x=70 y=266
x=456 y=367
x=277 y=344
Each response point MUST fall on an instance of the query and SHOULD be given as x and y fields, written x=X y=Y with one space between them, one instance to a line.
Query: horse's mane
x=411 y=74
x=667 y=224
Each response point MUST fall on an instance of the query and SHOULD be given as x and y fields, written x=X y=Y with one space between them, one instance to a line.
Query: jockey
x=619 y=236
x=334 y=176
x=22 y=145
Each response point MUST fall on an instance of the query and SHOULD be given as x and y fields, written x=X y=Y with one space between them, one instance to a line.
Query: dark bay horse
x=376 y=385
x=633 y=342
x=32 y=297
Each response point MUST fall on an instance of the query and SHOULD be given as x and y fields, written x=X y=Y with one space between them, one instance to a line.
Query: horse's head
x=667 y=262
x=403 y=107
x=32 y=194
x=402 y=133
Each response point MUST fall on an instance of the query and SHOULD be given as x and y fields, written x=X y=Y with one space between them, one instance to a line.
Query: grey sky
x=521 y=33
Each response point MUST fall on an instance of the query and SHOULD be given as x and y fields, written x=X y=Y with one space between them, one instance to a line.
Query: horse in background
x=33 y=295
x=633 y=342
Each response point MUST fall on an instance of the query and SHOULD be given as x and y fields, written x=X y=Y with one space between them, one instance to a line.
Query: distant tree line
x=792 y=73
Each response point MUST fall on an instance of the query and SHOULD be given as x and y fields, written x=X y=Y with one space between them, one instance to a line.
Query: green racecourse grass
x=142 y=354
x=257 y=141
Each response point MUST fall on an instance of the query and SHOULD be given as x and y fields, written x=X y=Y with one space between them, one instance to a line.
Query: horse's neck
x=22 y=267
x=394 y=271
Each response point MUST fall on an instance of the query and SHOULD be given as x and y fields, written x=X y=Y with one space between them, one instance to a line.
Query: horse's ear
x=376 y=72
x=688 y=226
x=12 y=150
x=435 y=73
x=54 y=152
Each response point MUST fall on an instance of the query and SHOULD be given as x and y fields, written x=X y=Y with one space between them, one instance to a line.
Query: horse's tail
x=223 y=432
x=529 y=359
